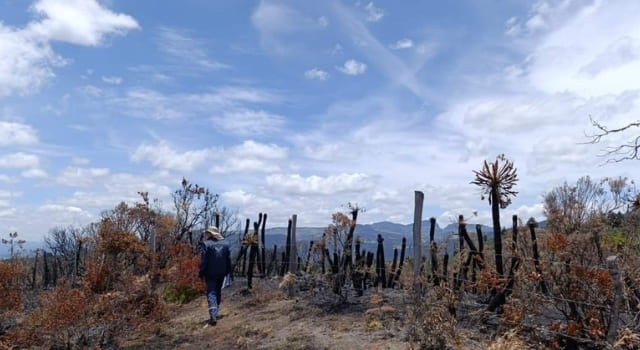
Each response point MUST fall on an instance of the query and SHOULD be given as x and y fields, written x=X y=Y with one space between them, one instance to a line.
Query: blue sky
x=300 y=107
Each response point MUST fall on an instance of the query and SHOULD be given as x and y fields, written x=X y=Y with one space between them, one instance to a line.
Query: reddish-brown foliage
x=182 y=273
x=556 y=242
x=10 y=294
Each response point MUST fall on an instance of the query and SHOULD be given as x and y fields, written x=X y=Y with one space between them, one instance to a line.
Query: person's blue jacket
x=215 y=259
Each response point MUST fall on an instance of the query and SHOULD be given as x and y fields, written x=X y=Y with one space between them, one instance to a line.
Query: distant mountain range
x=368 y=233
x=392 y=233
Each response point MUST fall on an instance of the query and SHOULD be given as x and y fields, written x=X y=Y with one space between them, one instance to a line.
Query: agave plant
x=497 y=180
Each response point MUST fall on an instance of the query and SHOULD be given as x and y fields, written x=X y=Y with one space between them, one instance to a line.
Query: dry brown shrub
x=431 y=324
x=627 y=340
x=182 y=274
x=509 y=341
x=10 y=289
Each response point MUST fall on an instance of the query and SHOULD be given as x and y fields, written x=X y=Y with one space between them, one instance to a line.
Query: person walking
x=215 y=264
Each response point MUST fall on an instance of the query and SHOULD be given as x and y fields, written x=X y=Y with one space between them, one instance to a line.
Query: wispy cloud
x=353 y=67
x=187 y=50
x=153 y=104
x=19 y=160
x=394 y=68
x=248 y=122
x=165 y=156
x=402 y=44
x=374 y=14
x=316 y=74
x=113 y=80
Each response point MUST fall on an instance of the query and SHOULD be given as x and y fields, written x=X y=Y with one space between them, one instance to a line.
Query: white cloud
x=91 y=91
x=353 y=67
x=250 y=157
x=248 y=122
x=317 y=185
x=152 y=104
x=247 y=166
x=374 y=14
x=323 y=21
x=59 y=208
x=34 y=174
x=278 y=26
x=252 y=149
x=26 y=57
x=19 y=160
x=164 y=156
x=7 y=179
x=187 y=50
x=113 y=80
x=10 y=194
x=402 y=44
x=316 y=74
x=16 y=134
x=81 y=177
x=81 y=22
x=26 y=63
x=80 y=161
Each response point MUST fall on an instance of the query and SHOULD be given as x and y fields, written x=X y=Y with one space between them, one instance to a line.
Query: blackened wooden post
x=253 y=252
x=293 y=258
x=35 y=268
x=348 y=246
x=536 y=257
x=287 y=247
x=480 y=238
x=244 y=248
x=461 y=224
x=274 y=259
x=257 y=238
x=515 y=228
x=217 y=218
x=393 y=268
x=308 y=264
x=283 y=263
x=264 y=256
x=433 y=250
x=367 y=275
x=46 y=276
x=380 y=262
x=402 y=249
x=417 y=234
x=445 y=265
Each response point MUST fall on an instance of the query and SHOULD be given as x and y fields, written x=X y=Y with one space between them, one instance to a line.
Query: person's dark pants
x=214 y=294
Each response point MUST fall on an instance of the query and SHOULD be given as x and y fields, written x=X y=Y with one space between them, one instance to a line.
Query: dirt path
x=266 y=319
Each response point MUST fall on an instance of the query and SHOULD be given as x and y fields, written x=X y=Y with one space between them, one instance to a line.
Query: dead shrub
x=431 y=324
x=182 y=274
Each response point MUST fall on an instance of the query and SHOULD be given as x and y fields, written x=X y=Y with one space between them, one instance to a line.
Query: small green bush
x=181 y=295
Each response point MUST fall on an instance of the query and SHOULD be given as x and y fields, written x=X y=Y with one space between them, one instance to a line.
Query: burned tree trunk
x=380 y=264
x=433 y=251
x=390 y=283
x=35 y=269
x=253 y=252
x=417 y=234
x=536 y=258
x=402 y=250
x=288 y=246
x=264 y=259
